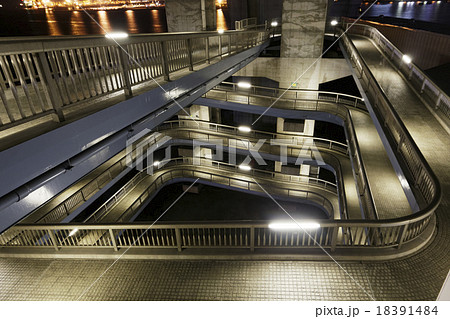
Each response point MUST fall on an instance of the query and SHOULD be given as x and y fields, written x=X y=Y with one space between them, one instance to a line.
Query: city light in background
x=91 y=4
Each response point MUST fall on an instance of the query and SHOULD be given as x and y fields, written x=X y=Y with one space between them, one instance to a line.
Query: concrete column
x=191 y=15
x=303 y=28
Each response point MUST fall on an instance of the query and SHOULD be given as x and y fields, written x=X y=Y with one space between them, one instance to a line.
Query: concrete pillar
x=191 y=15
x=303 y=28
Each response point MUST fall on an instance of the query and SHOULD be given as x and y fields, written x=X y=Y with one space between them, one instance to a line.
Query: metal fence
x=41 y=76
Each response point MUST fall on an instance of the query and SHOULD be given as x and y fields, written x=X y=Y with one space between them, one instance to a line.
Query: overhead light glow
x=334 y=22
x=73 y=232
x=407 y=59
x=244 y=85
x=116 y=35
x=244 y=167
x=274 y=24
x=220 y=31
x=244 y=129
x=287 y=226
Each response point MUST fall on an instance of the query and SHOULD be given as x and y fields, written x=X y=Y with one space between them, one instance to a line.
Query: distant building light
x=73 y=232
x=220 y=31
x=244 y=167
x=407 y=59
x=244 y=85
x=244 y=129
x=116 y=35
x=274 y=24
x=156 y=163
x=334 y=22
x=288 y=226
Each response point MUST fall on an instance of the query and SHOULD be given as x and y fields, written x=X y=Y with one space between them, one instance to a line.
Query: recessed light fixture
x=244 y=167
x=407 y=59
x=73 y=232
x=287 y=226
x=244 y=85
x=116 y=35
x=244 y=129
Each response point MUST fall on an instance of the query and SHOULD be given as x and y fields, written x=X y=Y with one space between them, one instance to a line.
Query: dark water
x=433 y=12
x=47 y=22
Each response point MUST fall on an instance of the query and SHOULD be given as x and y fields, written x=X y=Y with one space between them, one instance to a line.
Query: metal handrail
x=40 y=76
x=122 y=192
x=418 y=168
x=64 y=208
x=288 y=101
x=252 y=134
x=358 y=102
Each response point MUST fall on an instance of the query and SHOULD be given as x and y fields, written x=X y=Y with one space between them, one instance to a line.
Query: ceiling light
x=334 y=22
x=73 y=232
x=274 y=24
x=156 y=163
x=244 y=167
x=407 y=59
x=244 y=85
x=244 y=129
x=287 y=226
x=116 y=35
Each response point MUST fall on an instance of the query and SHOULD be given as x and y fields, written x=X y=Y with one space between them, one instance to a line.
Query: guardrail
x=226 y=179
x=41 y=76
x=294 y=94
x=422 y=84
x=308 y=100
x=245 y=24
x=63 y=209
x=417 y=170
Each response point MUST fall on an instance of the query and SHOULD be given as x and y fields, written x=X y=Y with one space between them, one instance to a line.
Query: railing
x=308 y=100
x=203 y=130
x=232 y=179
x=421 y=83
x=294 y=94
x=416 y=168
x=41 y=76
x=338 y=234
x=245 y=24
x=67 y=206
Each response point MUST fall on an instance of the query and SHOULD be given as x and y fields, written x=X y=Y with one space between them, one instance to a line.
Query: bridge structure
x=69 y=106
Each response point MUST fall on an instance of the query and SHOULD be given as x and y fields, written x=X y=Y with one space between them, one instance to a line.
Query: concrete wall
x=190 y=15
x=287 y=70
x=303 y=27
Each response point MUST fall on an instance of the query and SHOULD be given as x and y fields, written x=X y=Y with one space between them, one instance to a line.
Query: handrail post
x=189 y=49
x=207 y=50
x=53 y=239
x=402 y=235
x=125 y=68
x=178 y=239
x=252 y=238
x=220 y=46
x=334 y=238
x=165 y=62
x=113 y=239
x=50 y=87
